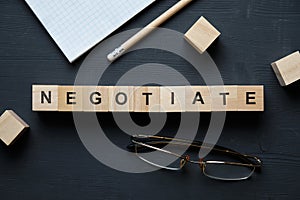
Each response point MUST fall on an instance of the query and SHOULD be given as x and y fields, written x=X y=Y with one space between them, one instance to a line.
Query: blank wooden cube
x=70 y=98
x=172 y=99
x=121 y=98
x=224 y=98
x=250 y=98
x=95 y=98
x=201 y=35
x=198 y=99
x=11 y=127
x=147 y=99
x=287 y=69
x=45 y=97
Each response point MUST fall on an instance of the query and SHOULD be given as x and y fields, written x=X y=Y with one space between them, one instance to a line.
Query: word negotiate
x=147 y=98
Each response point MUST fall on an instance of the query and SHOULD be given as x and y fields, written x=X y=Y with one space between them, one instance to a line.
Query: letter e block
x=70 y=98
x=250 y=98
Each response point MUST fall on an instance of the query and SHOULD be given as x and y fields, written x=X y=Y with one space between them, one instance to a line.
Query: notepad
x=78 y=25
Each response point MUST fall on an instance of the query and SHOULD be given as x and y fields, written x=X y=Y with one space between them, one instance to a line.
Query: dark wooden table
x=50 y=162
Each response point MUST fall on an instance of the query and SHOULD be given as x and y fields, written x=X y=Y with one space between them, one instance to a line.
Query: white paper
x=78 y=25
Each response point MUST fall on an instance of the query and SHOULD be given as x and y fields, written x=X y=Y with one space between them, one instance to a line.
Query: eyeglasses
x=166 y=153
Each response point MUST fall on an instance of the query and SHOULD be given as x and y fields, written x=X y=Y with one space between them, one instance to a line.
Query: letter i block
x=70 y=98
x=95 y=98
x=45 y=97
x=198 y=99
x=147 y=99
x=172 y=99
x=250 y=98
x=121 y=98
x=224 y=98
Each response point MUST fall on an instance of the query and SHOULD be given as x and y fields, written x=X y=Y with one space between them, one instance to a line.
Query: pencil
x=147 y=30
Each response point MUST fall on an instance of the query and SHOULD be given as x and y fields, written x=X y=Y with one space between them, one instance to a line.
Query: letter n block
x=45 y=97
x=95 y=98
x=121 y=98
x=70 y=98
x=251 y=98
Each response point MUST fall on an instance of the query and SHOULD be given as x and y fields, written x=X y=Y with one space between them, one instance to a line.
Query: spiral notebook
x=78 y=25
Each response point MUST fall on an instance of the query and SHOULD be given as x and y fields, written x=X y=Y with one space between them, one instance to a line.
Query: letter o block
x=121 y=98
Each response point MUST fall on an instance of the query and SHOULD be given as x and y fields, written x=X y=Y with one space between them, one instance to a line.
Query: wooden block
x=287 y=69
x=121 y=98
x=147 y=99
x=45 y=97
x=198 y=99
x=172 y=99
x=250 y=98
x=201 y=35
x=11 y=127
x=95 y=98
x=224 y=98
x=70 y=98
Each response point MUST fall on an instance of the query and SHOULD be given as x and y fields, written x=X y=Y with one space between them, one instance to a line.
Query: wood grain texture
x=70 y=98
x=121 y=98
x=201 y=35
x=162 y=99
x=50 y=162
x=287 y=69
x=45 y=97
x=172 y=99
x=198 y=98
x=95 y=98
x=11 y=127
x=146 y=99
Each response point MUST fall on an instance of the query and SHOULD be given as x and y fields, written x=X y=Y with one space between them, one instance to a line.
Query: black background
x=50 y=161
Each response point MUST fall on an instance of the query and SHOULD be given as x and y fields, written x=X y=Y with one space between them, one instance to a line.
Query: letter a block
x=45 y=97
x=198 y=99
x=70 y=98
x=11 y=127
x=95 y=98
